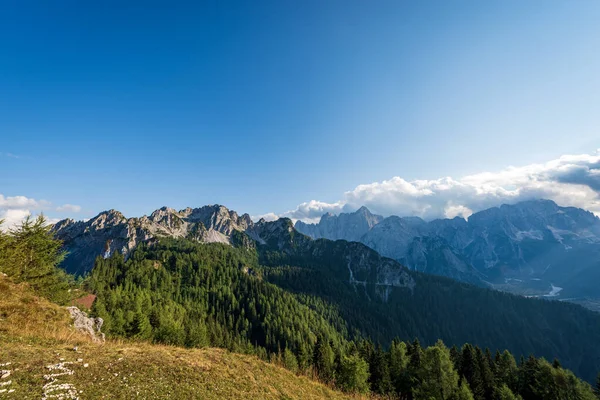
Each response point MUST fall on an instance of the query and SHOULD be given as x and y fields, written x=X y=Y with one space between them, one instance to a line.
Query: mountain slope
x=111 y=232
x=522 y=248
x=302 y=289
x=349 y=227
x=35 y=333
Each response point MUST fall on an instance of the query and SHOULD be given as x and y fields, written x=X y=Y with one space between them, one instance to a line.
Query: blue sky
x=265 y=105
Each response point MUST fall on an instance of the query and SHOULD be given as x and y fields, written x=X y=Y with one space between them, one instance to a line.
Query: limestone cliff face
x=346 y=226
x=111 y=232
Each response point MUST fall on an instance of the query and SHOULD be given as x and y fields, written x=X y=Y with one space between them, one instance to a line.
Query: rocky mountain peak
x=107 y=218
x=531 y=239
x=346 y=226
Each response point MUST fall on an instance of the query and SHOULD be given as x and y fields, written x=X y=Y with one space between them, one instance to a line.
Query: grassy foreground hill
x=35 y=334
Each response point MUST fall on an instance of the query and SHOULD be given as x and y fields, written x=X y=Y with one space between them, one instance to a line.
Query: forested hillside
x=312 y=318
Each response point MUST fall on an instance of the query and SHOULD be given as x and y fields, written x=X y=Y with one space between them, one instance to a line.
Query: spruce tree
x=455 y=357
x=437 y=378
x=485 y=372
x=31 y=253
x=470 y=370
x=290 y=361
x=354 y=374
x=380 y=372
x=324 y=358
x=506 y=370
x=597 y=386
x=399 y=367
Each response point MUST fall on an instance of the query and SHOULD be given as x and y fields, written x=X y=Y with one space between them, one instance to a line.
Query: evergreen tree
x=142 y=328
x=437 y=379
x=354 y=374
x=379 y=372
x=470 y=370
x=196 y=334
x=597 y=386
x=463 y=392
x=290 y=361
x=303 y=356
x=529 y=373
x=399 y=367
x=506 y=370
x=324 y=358
x=504 y=393
x=30 y=253
x=455 y=357
x=484 y=361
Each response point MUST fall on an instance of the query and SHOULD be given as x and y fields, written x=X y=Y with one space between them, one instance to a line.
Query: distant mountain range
x=534 y=248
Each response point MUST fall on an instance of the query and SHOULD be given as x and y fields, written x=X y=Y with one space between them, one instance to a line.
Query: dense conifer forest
x=191 y=294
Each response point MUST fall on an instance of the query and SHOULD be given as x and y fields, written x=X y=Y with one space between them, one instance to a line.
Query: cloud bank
x=15 y=209
x=571 y=180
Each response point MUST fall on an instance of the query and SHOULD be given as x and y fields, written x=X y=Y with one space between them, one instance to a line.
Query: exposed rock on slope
x=111 y=232
x=87 y=325
x=349 y=227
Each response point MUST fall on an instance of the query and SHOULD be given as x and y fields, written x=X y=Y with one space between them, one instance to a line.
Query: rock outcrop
x=111 y=232
x=87 y=325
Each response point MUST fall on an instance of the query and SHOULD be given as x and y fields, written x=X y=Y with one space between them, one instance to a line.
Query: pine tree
x=142 y=328
x=290 y=361
x=506 y=370
x=303 y=357
x=354 y=374
x=380 y=373
x=463 y=392
x=470 y=370
x=455 y=357
x=437 y=378
x=504 y=393
x=529 y=379
x=30 y=253
x=484 y=361
x=597 y=386
x=399 y=367
x=324 y=358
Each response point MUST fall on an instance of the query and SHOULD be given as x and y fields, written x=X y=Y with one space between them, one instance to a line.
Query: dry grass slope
x=35 y=333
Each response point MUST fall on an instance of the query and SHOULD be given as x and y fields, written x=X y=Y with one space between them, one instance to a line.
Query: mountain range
x=534 y=248
x=352 y=289
x=110 y=232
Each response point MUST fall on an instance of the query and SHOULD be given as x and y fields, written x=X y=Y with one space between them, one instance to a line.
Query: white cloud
x=19 y=202
x=12 y=217
x=266 y=217
x=69 y=208
x=571 y=180
x=14 y=209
